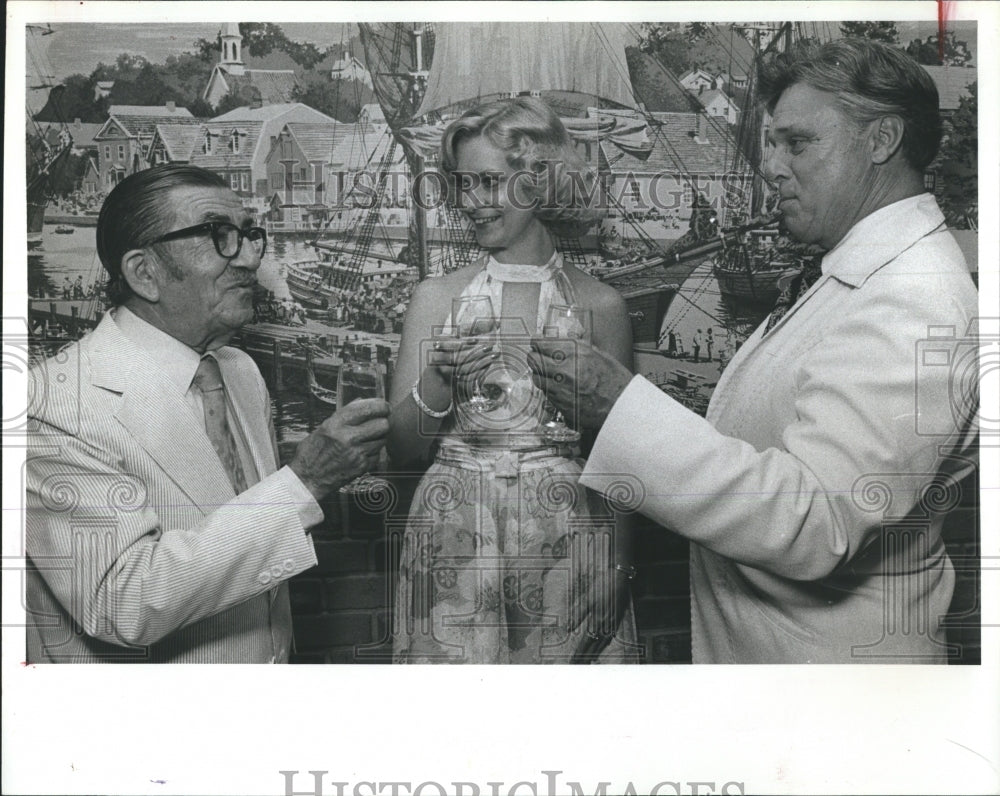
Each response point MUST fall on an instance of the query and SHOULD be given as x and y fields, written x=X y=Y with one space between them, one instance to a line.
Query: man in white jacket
x=159 y=527
x=815 y=489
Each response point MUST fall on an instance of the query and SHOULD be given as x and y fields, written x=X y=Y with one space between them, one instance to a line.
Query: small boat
x=62 y=229
x=757 y=268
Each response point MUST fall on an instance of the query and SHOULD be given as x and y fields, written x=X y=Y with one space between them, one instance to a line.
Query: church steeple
x=232 y=42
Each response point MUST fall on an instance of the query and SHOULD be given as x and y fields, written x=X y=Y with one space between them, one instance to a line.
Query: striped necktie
x=208 y=380
x=794 y=290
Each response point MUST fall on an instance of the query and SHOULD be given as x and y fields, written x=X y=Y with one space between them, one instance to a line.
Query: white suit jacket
x=815 y=490
x=138 y=548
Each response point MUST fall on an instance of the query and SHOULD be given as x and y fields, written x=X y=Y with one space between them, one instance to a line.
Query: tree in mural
x=876 y=31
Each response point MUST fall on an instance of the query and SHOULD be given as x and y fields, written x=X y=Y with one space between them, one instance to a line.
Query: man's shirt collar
x=882 y=236
x=177 y=360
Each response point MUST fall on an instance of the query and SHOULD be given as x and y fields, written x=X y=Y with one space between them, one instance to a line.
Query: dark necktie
x=208 y=380
x=795 y=290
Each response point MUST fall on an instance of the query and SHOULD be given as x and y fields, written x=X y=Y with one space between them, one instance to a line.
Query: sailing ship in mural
x=755 y=267
x=47 y=147
x=425 y=75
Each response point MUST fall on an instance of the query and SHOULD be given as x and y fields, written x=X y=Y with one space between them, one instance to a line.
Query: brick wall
x=340 y=608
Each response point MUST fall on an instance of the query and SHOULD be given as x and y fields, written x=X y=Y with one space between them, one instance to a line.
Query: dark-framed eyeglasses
x=228 y=238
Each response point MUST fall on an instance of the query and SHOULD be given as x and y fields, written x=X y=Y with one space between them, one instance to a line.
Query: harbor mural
x=329 y=134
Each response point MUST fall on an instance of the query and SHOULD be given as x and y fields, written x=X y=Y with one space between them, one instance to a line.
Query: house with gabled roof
x=695 y=80
x=298 y=164
x=350 y=68
x=231 y=74
x=123 y=142
x=719 y=104
x=173 y=143
x=690 y=157
x=90 y=184
x=83 y=136
x=235 y=145
x=313 y=169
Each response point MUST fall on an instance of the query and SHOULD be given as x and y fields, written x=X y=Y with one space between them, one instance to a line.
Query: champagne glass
x=360 y=380
x=472 y=316
x=568 y=322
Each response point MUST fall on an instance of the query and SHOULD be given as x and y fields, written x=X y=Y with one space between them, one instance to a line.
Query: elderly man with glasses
x=159 y=527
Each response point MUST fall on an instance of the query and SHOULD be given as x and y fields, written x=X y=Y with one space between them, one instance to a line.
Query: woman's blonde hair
x=563 y=187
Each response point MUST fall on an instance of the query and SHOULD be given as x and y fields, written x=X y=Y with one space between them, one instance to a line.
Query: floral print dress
x=501 y=538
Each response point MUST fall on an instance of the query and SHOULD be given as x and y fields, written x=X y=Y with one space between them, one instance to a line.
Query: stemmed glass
x=358 y=380
x=472 y=316
x=568 y=322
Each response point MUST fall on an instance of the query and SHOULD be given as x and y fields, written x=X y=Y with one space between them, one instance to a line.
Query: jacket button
x=264 y=578
x=276 y=571
x=289 y=565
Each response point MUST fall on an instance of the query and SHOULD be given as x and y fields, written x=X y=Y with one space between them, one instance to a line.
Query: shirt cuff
x=309 y=511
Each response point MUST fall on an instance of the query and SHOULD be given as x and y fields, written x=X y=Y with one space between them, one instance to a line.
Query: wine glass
x=568 y=322
x=472 y=316
x=354 y=381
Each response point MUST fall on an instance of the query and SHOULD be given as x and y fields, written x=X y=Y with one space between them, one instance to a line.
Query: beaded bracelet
x=415 y=392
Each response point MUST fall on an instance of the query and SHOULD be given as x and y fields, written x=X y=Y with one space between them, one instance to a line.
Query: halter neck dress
x=499 y=525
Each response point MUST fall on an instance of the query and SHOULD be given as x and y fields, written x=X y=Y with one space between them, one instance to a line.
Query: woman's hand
x=454 y=363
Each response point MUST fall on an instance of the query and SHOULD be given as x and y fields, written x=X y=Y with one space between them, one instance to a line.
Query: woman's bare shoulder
x=447 y=287
x=594 y=293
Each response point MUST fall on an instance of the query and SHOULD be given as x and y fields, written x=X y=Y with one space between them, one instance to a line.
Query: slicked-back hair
x=869 y=80
x=134 y=214
x=533 y=139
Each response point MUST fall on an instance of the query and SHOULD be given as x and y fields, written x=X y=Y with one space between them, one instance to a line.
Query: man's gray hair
x=869 y=80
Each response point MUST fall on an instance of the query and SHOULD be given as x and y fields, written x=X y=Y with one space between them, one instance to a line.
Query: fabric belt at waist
x=503 y=462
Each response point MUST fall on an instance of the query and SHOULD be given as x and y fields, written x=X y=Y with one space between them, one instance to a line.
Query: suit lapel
x=158 y=418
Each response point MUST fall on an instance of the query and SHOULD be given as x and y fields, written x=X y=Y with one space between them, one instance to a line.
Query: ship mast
x=418 y=85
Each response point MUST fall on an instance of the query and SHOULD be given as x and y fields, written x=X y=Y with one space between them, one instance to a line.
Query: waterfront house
x=235 y=145
x=124 y=140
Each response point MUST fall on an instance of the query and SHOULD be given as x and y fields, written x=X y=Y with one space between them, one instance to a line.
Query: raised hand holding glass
x=568 y=322
x=354 y=381
x=472 y=316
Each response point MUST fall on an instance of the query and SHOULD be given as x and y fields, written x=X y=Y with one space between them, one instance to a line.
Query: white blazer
x=138 y=548
x=815 y=491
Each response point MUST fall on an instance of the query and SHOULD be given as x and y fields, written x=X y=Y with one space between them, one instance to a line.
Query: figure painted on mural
x=806 y=490
x=506 y=559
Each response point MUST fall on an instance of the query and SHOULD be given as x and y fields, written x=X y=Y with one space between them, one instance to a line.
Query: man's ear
x=140 y=273
x=887 y=138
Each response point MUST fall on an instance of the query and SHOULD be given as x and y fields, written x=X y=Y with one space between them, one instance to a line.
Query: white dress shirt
x=179 y=363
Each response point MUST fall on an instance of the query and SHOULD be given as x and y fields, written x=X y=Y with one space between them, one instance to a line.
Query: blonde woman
x=506 y=558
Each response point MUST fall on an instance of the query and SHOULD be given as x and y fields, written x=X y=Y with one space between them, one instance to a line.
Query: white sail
x=474 y=60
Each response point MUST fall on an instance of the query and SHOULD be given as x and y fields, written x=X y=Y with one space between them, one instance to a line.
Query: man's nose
x=775 y=164
x=248 y=256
